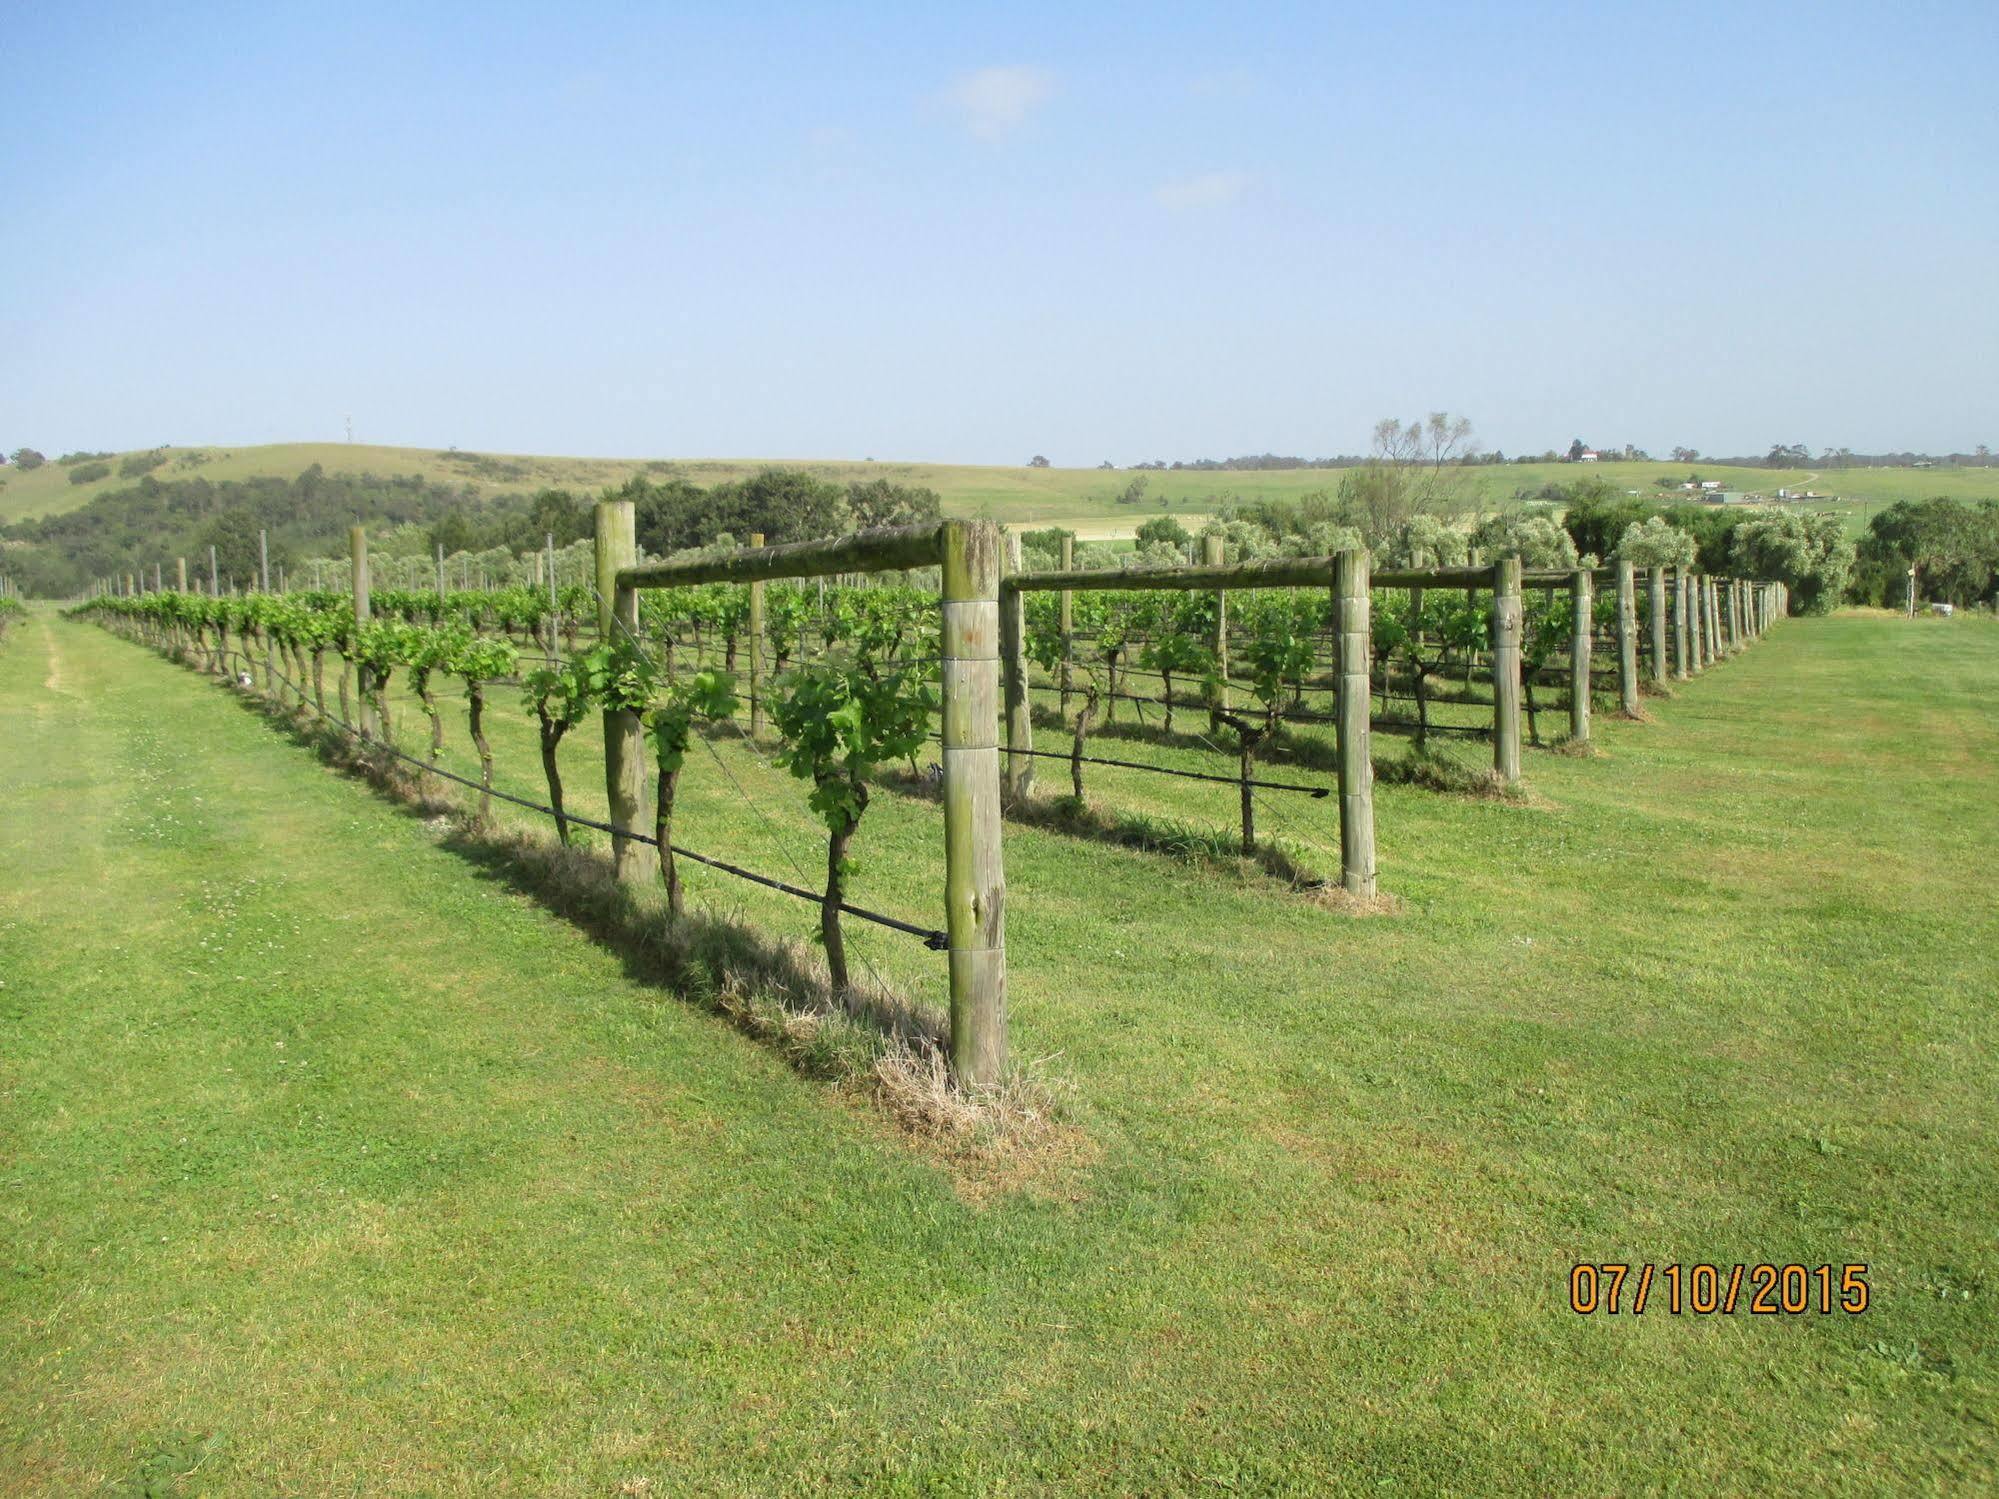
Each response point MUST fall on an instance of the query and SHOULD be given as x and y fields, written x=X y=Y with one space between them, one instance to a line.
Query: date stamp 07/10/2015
x=1707 y=1290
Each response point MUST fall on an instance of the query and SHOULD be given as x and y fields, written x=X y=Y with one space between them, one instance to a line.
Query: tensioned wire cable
x=933 y=939
x=936 y=941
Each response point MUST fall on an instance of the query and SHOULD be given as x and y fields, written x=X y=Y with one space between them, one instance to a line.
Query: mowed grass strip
x=333 y=1166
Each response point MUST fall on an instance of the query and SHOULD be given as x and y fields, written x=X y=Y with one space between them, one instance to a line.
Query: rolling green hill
x=1084 y=498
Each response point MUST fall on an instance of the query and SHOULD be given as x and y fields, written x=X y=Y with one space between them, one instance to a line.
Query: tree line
x=155 y=520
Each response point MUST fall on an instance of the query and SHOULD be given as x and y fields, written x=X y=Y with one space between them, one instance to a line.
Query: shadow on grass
x=870 y=1041
x=1215 y=848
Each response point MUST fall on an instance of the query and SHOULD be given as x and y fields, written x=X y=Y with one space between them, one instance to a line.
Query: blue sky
x=1159 y=231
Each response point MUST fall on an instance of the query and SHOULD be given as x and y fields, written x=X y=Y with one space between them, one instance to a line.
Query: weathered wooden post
x=1013 y=680
x=1708 y=653
x=1627 y=639
x=1068 y=626
x=1507 y=622
x=1697 y=619
x=1352 y=603
x=357 y=548
x=1211 y=556
x=756 y=646
x=1682 y=639
x=624 y=741
x=214 y=576
x=264 y=561
x=554 y=602
x=180 y=574
x=1655 y=601
x=974 y=879
x=441 y=590
x=1582 y=602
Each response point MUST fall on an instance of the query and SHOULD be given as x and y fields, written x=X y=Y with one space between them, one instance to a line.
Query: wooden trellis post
x=1655 y=599
x=1582 y=599
x=1681 y=638
x=1507 y=621
x=1013 y=681
x=624 y=739
x=180 y=574
x=1627 y=639
x=441 y=590
x=357 y=550
x=1211 y=555
x=1067 y=604
x=1352 y=605
x=974 y=880
x=554 y=600
x=1696 y=621
x=758 y=718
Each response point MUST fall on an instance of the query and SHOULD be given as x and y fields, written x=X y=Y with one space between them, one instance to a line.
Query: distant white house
x=1588 y=455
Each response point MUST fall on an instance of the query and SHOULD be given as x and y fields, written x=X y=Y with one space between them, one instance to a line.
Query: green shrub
x=89 y=473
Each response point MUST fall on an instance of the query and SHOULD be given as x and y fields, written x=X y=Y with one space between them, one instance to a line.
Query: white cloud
x=1203 y=190
x=993 y=101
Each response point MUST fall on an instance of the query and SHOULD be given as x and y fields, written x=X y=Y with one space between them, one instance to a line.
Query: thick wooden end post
x=974 y=877
x=1582 y=603
x=1507 y=622
x=1627 y=639
x=1068 y=606
x=1211 y=556
x=757 y=715
x=1013 y=681
x=180 y=574
x=1352 y=605
x=624 y=738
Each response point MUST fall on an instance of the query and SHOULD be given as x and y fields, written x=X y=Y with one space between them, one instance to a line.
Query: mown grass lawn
x=330 y=1164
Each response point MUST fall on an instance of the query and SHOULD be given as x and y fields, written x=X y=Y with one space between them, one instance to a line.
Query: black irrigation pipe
x=1296 y=715
x=933 y=939
x=1315 y=792
x=1468 y=731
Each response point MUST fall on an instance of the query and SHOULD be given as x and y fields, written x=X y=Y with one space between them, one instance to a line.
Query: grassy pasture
x=334 y=1165
x=1081 y=498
